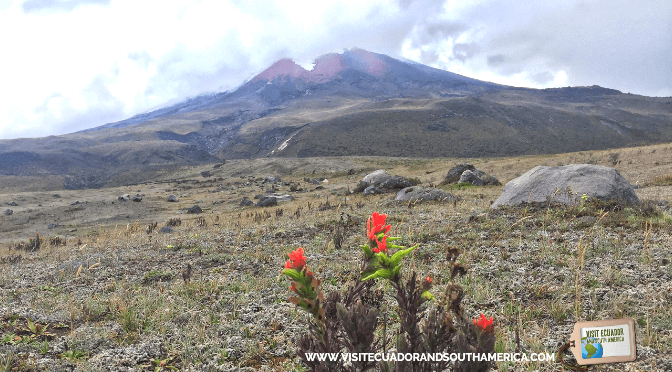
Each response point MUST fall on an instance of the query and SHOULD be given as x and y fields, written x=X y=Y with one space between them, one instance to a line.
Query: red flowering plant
x=484 y=324
x=349 y=321
x=381 y=264
x=304 y=284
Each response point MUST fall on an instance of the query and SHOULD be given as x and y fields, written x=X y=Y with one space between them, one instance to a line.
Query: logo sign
x=604 y=341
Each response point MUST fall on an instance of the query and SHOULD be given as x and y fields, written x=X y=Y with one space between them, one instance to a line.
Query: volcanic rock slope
x=353 y=103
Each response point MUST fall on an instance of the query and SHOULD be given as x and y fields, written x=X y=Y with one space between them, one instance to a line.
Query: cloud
x=38 y=6
x=76 y=64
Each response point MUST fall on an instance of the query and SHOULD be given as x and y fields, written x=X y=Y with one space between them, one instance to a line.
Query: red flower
x=293 y=287
x=484 y=324
x=428 y=280
x=296 y=260
x=376 y=224
x=382 y=246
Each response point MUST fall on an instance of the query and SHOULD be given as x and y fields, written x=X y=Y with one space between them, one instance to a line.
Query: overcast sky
x=68 y=65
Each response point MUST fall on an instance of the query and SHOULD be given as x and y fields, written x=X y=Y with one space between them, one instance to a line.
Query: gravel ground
x=120 y=302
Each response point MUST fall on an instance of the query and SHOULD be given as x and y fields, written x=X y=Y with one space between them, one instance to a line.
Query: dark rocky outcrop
x=566 y=184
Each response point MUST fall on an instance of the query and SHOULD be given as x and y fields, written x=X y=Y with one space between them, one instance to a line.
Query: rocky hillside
x=354 y=103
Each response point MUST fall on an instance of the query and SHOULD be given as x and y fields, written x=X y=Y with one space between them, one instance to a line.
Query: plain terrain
x=113 y=298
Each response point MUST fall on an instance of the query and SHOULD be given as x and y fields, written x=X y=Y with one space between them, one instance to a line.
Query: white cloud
x=75 y=64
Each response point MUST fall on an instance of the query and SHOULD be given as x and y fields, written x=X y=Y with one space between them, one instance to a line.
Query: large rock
x=467 y=173
x=421 y=194
x=196 y=209
x=455 y=172
x=376 y=177
x=472 y=177
x=267 y=201
x=173 y=198
x=281 y=198
x=541 y=184
x=380 y=181
x=372 y=190
x=272 y=179
x=245 y=202
x=396 y=183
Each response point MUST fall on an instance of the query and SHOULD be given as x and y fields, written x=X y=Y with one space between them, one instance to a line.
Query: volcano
x=352 y=103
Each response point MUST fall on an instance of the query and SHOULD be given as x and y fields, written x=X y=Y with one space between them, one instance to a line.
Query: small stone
x=166 y=230
x=52 y=225
x=137 y=198
x=172 y=198
x=9 y=212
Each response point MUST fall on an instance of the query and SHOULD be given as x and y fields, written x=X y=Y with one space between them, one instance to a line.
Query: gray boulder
x=372 y=190
x=455 y=172
x=137 y=198
x=9 y=212
x=541 y=184
x=371 y=179
x=422 y=194
x=376 y=177
x=280 y=198
x=467 y=173
x=172 y=198
x=195 y=210
x=125 y=197
x=380 y=181
x=272 y=179
x=396 y=183
x=472 y=177
x=267 y=201
x=245 y=202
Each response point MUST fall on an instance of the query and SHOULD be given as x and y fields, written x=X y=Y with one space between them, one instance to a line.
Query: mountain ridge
x=353 y=103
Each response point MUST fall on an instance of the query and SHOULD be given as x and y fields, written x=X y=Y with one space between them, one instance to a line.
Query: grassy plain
x=114 y=298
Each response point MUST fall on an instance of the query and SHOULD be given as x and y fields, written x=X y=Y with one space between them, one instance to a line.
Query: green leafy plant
x=74 y=355
x=37 y=330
